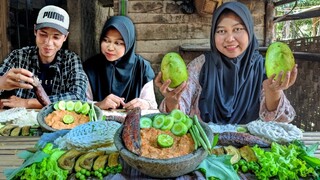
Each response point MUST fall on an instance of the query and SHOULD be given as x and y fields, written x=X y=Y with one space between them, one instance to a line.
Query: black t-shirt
x=46 y=75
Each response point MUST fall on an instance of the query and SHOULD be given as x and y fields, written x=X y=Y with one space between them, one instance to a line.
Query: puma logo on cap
x=53 y=17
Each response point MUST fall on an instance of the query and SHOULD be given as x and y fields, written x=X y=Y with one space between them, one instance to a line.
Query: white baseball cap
x=54 y=17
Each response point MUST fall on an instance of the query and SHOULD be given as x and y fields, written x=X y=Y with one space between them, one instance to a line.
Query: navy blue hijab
x=124 y=77
x=231 y=87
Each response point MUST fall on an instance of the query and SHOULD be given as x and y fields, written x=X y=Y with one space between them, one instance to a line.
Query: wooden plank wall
x=4 y=44
x=162 y=27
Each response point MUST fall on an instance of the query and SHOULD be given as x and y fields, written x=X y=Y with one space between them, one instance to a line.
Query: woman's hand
x=137 y=102
x=276 y=85
x=16 y=78
x=110 y=102
x=172 y=97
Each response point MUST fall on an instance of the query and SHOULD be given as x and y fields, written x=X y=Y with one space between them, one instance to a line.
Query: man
x=59 y=70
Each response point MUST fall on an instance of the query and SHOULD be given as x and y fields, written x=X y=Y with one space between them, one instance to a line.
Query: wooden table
x=10 y=146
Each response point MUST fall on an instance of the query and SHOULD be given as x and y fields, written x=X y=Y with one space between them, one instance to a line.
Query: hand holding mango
x=280 y=68
x=279 y=58
x=172 y=78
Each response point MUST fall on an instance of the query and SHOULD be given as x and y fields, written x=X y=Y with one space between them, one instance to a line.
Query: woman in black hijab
x=118 y=77
x=228 y=85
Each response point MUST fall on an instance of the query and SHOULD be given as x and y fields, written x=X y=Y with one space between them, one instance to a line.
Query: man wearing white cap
x=59 y=70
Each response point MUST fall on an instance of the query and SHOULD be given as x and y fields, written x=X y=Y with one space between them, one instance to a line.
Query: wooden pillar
x=269 y=23
x=315 y=22
x=4 y=43
x=74 y=11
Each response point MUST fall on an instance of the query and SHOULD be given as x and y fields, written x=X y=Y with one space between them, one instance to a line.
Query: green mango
x=279 y=58
x=174 y=68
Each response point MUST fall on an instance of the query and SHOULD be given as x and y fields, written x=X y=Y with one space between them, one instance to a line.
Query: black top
x=124 y=77
x=231 y=88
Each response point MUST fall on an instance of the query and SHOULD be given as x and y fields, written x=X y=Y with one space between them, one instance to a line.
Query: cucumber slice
x=145 y=122
x=179 y=129
x=168 y=123
x=178 y=115
x=158 y=121
x=55 y=106
x=68 y=119
x=165 y=140
x=242 y=129
x=78 y=106
x=70 y=105
x=188 y=122
x=85 y=108
x=62 y=105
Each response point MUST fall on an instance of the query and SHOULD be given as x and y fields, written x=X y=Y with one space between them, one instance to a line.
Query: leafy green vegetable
x=281 y=161
x=215 y=140
x=218 y=167
x=30 y=158
x=307 y=154
x=40 y=165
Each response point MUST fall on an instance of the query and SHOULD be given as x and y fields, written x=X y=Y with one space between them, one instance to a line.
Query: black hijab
x=231 y=87
x=124 y=77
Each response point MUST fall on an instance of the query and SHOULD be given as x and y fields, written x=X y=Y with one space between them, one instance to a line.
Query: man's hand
x=16 y=78
x=14 y=101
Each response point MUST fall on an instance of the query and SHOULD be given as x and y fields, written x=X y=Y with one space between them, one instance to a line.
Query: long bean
x=204 y=145
x=92 y=114
x=193 y=127
x=194 y=139
x=202 y=132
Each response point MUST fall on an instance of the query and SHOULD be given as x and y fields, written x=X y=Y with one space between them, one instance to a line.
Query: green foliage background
x=297 y=28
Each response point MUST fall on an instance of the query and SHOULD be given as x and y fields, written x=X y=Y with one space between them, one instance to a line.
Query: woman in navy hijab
x=118 y=77
x=228 y=85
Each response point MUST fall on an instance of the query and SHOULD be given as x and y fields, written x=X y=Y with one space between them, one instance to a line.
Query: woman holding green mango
x=228 y=85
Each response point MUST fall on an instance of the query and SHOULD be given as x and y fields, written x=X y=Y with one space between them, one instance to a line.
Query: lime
x=68 y=119
x=62 y=105
x=85 y=108
x=55 y=106
x=168 y=123
x=179 y=129
x=158 y=121
x=78 y=106
x=178 y=115
x=165 y=140
x=145 y=122
x=70 y=105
